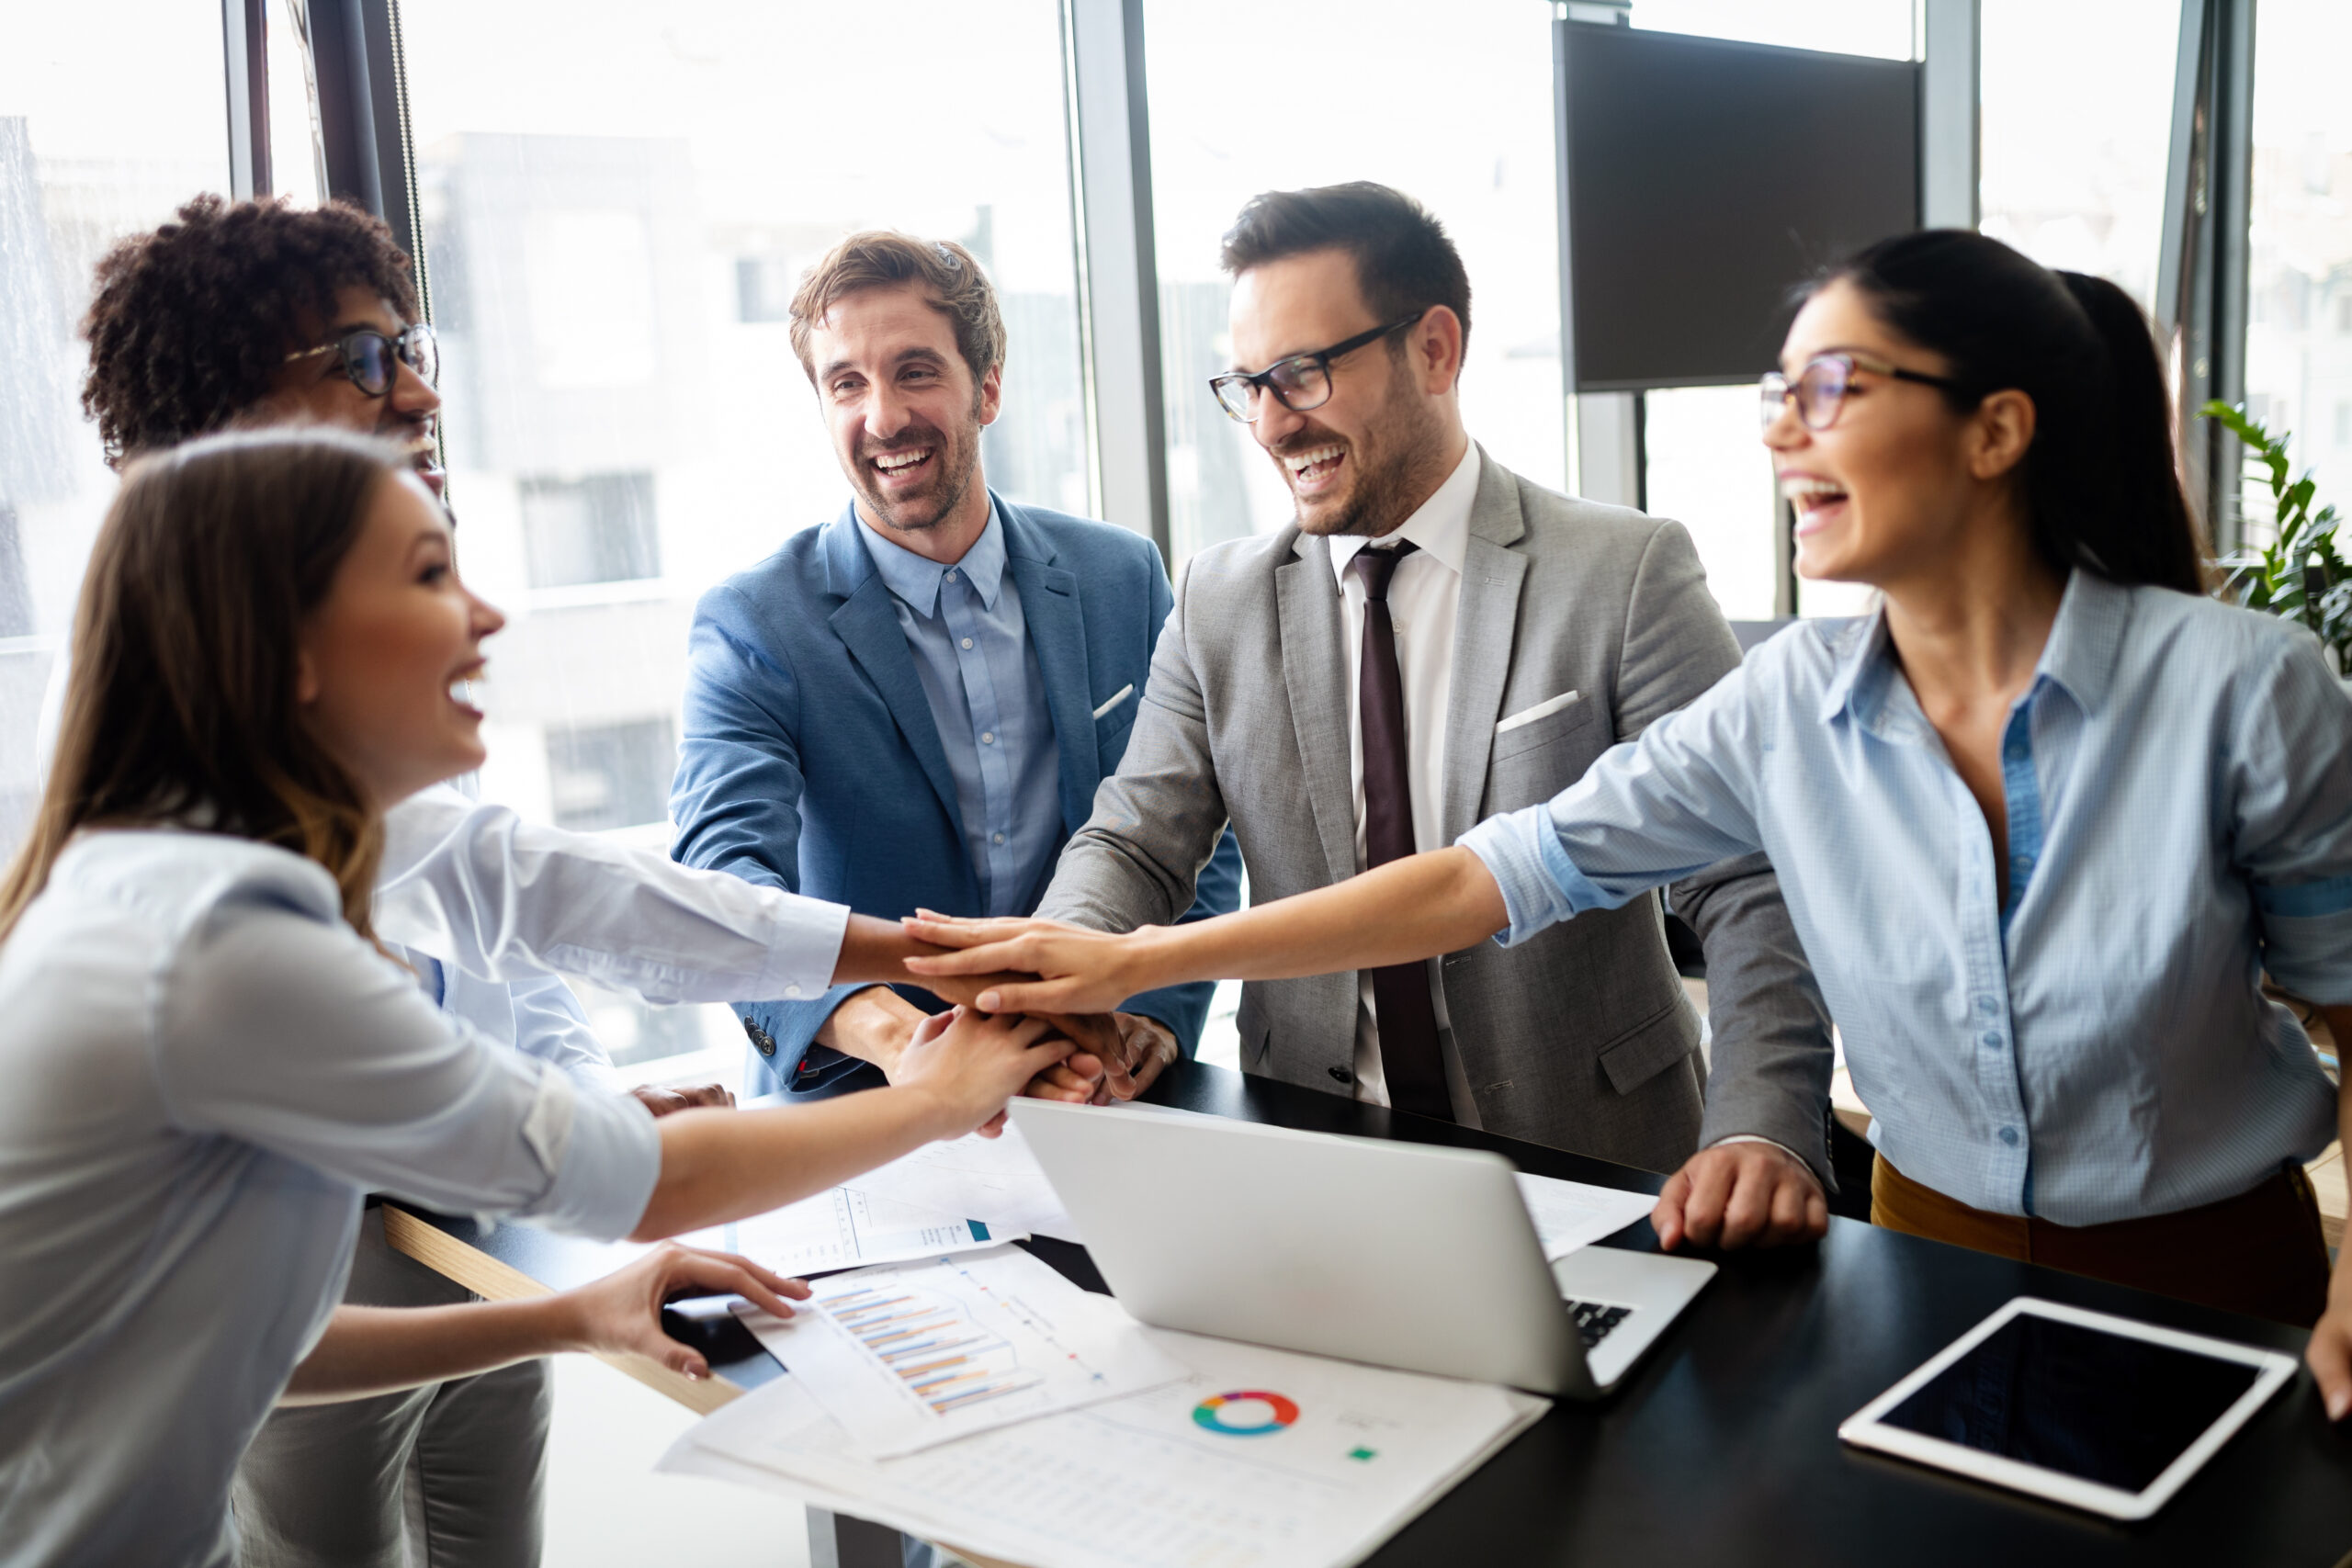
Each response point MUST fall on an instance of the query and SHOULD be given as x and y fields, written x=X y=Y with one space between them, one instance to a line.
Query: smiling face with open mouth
x=1363 y=460
x=905 y=414
x=389 y=658
x=1884 y=487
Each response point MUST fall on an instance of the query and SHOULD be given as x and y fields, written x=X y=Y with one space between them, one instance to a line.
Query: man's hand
x=662 y=1101
x=1119 y=1056
x=1150 y=1049
x=1737 y=1195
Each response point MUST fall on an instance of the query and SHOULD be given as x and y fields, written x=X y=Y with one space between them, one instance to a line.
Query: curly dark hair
x=189 y=323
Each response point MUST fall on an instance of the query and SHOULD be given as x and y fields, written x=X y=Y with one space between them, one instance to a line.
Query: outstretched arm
x=372 y=1350
x=1408 y=909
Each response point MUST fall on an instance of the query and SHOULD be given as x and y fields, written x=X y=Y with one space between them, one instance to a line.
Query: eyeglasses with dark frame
x=1301 y=383
x=368 y=357
x=1820 y=388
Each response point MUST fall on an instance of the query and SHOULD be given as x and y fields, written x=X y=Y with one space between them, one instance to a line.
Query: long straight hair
x=181 y=705
x=2101 y=484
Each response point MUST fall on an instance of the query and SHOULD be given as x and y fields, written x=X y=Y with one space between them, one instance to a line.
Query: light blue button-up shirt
x=2179 y=785
x=987 y=696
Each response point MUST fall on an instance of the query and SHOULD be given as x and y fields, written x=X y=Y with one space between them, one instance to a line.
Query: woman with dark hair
x=211 y=1061
x=2042 y=818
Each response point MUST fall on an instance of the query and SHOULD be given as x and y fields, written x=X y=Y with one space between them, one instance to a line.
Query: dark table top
x=1722 y=1448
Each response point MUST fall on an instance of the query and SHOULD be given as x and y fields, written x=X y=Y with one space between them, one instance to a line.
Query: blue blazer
x=810 y=762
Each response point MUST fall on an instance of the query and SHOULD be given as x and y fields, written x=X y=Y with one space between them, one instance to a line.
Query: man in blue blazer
x=910 y=706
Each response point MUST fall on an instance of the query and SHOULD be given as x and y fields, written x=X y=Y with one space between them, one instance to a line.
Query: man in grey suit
x=1435 y=641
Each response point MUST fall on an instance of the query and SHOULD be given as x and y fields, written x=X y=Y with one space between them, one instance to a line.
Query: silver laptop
x=1396 y=1254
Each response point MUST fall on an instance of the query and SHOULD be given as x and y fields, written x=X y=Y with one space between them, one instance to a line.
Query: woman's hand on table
x=1077 y=970
x=622 y=1312
x=1734 y=1195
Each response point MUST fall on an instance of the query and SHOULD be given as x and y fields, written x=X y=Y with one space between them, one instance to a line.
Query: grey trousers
x=445 y=1476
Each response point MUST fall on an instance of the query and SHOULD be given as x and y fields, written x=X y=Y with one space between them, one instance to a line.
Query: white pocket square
x=1543 y=709
x=1122 y=695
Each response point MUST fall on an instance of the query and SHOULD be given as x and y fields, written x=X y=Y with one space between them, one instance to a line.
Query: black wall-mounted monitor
x=1704 y=177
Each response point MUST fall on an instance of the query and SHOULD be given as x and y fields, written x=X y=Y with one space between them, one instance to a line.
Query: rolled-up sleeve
x=2293 y=789
x=1541 y=885
x=1647 y=813
x=292 y=1034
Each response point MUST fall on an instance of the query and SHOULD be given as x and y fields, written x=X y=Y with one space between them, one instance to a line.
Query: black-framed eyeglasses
x=1300 y=383
x=1821 y=387
x=370 y=358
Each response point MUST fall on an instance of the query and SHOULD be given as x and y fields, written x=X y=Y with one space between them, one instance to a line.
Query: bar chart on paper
x=909 y=1355
x=844 y=1228
x=937 y=1350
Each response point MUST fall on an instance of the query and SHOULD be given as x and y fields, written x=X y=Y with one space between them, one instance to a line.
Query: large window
x=109 y=119
x=2299 y=306
x=617 y=200
x=1453 y=107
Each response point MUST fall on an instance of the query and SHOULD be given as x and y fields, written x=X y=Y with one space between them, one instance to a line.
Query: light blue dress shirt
x=987 y=696
x=208 y=1069
x=2179 y=783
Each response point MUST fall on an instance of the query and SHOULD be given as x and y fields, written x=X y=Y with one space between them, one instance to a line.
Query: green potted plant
x=2301 y=574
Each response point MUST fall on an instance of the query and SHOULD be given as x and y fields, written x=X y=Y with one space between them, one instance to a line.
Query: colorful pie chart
x=1280 y=1413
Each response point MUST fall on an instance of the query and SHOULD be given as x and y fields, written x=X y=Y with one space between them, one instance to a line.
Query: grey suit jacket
x=1581 y=1038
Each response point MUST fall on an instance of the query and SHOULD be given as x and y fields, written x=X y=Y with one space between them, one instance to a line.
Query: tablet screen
x=2079 y=1401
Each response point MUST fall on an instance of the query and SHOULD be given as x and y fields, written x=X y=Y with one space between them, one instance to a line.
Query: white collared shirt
x=1424 y=597
x=501 y=899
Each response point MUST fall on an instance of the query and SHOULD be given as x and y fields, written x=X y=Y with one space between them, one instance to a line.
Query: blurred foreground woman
x=211 y=1060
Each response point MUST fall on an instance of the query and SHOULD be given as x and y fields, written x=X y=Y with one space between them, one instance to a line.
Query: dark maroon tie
x=1400 y=993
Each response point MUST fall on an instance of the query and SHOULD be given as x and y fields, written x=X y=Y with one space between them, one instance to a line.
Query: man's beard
x=958 y=460
x=1401 y=438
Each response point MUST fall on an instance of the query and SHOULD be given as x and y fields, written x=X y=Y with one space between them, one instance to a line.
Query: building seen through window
x=82 y=162
x=2299 y=304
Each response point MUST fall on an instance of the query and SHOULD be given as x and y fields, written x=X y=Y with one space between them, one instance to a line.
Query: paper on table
x=1261 y=1457
x=914 y=1354
x=1570 y=1214
x=843 y=1228
x=994 y=1180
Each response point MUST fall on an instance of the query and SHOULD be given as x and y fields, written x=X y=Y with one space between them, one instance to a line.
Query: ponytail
x=2101 y=485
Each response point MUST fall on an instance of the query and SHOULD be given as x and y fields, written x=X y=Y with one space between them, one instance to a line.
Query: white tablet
x=2097 y=1412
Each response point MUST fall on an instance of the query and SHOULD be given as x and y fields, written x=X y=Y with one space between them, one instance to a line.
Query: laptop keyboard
x=1597 y=1320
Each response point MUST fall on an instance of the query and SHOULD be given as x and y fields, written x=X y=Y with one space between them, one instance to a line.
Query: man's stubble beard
x=1375 y=505
x=965 y=448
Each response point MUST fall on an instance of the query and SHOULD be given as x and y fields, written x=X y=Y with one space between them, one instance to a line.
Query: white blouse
x=204 y=1069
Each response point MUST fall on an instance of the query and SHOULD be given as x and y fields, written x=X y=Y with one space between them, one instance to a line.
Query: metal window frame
x=1117 y=262
x=356 y=56
x=2201 y=277
x=245 y=58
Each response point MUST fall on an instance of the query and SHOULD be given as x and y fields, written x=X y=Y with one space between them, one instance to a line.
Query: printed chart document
x=1261 y=1459
x=914 y=1354
x=1570 y=1214
x=994 y=1180
x=844 y=1228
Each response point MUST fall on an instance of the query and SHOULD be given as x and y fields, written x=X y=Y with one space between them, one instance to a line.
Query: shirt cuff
x=1540 y=884
x=804 y=949
x=2307 y=938
x=606 y=1155
x=1772 y=1142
